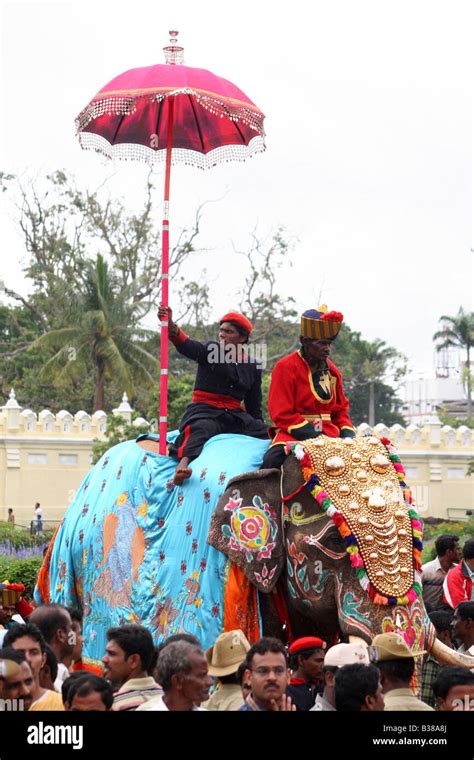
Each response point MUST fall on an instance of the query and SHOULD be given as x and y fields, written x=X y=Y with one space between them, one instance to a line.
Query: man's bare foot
x=181 y=474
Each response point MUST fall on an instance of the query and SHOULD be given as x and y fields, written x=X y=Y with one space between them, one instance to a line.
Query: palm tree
x=459 y=331
x=377 y=359
x=106 y=335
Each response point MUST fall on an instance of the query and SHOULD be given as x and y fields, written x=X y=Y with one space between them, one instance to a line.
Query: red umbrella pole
x=165 y=260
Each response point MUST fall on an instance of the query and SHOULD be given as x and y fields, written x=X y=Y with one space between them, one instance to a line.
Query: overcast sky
x=369 y=142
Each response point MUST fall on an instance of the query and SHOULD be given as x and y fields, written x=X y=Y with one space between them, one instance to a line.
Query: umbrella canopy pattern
x=213 y=120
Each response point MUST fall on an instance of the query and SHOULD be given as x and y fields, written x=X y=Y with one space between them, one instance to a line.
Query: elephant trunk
x=447 y=656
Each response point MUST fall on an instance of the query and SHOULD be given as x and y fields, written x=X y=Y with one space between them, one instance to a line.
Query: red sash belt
x=216 y=399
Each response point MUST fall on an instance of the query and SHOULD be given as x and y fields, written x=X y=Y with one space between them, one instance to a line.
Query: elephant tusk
x=448 y=656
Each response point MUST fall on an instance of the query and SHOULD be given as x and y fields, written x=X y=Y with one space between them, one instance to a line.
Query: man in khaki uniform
x=224 y=658
x=396 y=663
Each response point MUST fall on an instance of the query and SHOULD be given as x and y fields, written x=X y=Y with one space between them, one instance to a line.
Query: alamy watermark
x=12 y=705
x=242 y=353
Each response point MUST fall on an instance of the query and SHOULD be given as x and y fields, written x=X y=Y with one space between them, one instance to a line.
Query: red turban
x=239 y=319
x=307 y=642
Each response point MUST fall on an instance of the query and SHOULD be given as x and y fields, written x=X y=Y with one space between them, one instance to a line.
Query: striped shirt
x=136 y=692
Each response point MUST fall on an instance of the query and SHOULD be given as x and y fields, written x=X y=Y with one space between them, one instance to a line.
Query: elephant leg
x=271 y=624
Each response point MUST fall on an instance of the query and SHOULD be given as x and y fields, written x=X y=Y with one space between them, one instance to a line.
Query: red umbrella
x=175 y=113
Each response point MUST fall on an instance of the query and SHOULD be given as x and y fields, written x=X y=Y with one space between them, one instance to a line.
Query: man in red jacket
x=457 y=586
x=306 y=395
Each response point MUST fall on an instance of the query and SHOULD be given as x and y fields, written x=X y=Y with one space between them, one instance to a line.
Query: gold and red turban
x=321 y=324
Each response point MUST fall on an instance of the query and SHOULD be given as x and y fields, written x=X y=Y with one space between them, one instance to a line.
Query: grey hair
x=174 y=660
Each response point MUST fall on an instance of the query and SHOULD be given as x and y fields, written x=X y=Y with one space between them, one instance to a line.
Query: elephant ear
x=246 y=526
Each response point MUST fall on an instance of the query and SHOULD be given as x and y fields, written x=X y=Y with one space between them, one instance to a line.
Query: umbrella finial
x=173 y=53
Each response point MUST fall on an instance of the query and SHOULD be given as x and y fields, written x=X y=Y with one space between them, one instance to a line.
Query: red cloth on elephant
x=298 y=406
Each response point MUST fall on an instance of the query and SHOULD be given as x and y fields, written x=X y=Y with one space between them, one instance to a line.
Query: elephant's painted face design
x=251 y=529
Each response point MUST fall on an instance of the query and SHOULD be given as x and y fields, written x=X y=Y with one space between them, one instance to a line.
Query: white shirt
x=432 y=566
x=63 y=673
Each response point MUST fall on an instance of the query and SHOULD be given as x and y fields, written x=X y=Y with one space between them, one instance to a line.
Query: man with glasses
x=268 y=675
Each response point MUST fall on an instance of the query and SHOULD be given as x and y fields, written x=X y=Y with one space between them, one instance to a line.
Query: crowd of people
x=41 y=669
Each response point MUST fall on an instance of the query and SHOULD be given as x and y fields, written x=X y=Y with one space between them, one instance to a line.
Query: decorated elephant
x=332 y=542
x=132 y=547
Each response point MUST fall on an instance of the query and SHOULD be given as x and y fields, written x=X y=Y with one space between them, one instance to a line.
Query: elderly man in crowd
x=54 y=622
x=337 y=657
x=448 y=554
x=454 y=689
x=27 y=638
x=268 y=674
x=396 y=664
x=457 y=586
x=129 y=658
x=306 y=663
x=16 y=680
x=358 y=689
x=225 y=658
x=183 y=675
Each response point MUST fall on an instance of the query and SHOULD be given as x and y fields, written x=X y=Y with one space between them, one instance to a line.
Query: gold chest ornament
x=363 y=485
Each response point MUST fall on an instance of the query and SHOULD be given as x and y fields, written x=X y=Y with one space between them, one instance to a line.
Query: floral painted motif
x=165 y=616
x=142 y=509
x=265 y=576
x=297 y=564
x=203 y=473
x=252 y=529
x=222 y=478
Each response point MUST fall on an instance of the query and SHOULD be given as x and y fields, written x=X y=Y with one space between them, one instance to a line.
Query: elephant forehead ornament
x=374 y=513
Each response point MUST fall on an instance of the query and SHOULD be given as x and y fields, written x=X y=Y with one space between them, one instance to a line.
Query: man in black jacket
x=227 y=376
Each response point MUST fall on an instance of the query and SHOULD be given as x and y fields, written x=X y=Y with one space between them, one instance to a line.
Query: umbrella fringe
x=135 y=152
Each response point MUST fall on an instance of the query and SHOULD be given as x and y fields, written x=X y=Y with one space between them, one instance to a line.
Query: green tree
x=106 y=334
x=458 y=331
x=370 y=371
